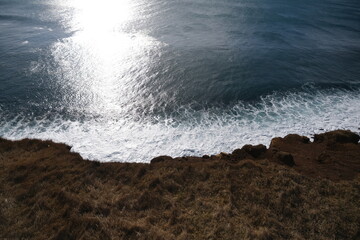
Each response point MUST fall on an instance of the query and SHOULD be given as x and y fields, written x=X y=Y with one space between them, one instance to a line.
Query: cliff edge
x=295 y=189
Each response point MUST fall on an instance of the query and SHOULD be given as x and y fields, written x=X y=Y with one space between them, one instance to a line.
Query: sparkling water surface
x=123 y=80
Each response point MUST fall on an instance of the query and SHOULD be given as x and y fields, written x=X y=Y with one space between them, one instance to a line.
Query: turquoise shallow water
x=128 y=80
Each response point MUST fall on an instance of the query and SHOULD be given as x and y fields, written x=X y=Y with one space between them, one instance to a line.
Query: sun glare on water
x=102 y=16
x=104 y=57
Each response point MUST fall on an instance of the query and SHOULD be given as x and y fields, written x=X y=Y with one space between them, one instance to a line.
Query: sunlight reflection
x=102 y=60
x=101 y=16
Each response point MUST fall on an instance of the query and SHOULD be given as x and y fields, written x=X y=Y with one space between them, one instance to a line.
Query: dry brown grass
x=47 y=192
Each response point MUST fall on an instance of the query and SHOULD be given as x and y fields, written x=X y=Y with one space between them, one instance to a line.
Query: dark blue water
x=128 y=80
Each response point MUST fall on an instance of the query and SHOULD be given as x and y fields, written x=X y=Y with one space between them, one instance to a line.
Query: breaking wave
x=187 y=131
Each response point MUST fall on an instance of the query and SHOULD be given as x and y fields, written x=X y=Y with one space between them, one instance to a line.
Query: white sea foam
x=203 y=132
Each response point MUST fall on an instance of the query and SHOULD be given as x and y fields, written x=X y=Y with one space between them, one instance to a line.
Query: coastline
x=295 y=189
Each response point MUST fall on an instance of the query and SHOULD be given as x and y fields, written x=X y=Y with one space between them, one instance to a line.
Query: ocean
x=128 y=80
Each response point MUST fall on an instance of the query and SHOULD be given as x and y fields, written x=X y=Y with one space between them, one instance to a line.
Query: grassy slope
x=48 y=192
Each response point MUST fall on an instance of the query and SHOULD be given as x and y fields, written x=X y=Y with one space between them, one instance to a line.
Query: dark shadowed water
x=127 y=80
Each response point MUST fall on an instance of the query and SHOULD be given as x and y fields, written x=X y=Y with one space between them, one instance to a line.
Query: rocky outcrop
x=161 y=159
x=338 y=136
x=249 y=151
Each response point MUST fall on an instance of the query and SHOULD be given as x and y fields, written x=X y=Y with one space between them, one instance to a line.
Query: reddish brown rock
x=275 y=142
x=294 y=138
x=249 y=151
x=161 y=159
x=255 y=151
x=338 y=136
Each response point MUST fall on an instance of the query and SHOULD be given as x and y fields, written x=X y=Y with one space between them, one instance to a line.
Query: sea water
x=128 y=80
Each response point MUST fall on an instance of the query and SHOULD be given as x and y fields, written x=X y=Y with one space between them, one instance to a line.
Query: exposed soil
x=295 y=189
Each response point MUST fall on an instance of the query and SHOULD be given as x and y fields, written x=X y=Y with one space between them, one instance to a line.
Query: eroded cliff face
x=295 y=189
